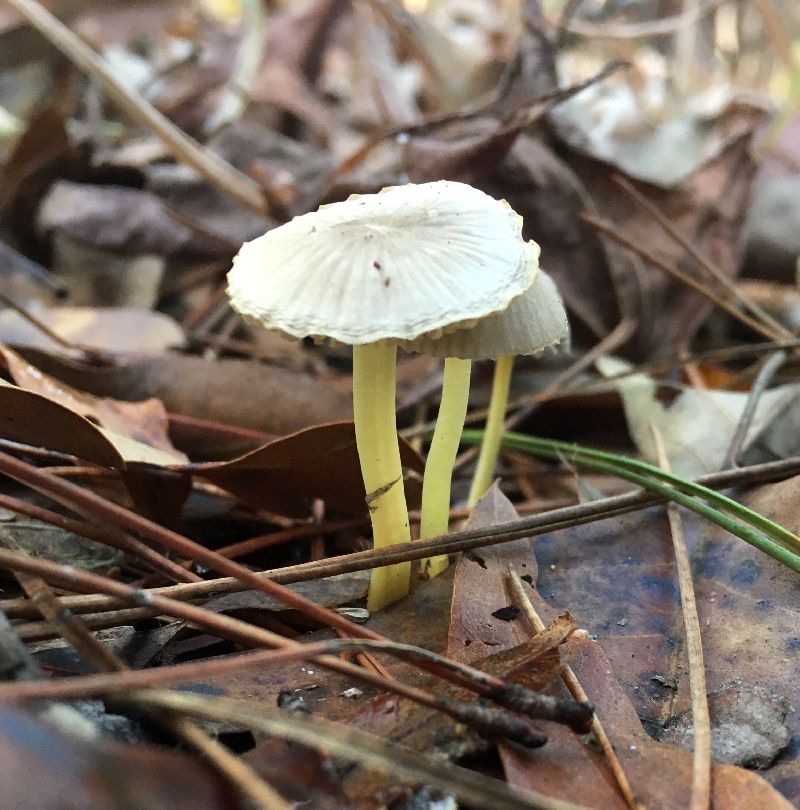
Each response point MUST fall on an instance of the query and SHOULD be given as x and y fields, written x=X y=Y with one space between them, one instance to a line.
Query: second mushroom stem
x=493 y=432
x=437 y=482
x=374 y=383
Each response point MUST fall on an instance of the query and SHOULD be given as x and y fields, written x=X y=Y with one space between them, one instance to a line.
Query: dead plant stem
x=453 y=543
x=577 y=691
x=701 y=764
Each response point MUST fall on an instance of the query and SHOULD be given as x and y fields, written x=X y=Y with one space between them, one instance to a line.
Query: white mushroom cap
x=407 y=261
x=531 y=323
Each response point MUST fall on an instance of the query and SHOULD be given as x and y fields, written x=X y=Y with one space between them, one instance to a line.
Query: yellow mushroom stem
x=493 y=432
x=374 y=383
x=442 y=455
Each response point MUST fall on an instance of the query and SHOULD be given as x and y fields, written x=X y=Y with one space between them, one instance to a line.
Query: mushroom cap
x=531 y=323
x=407 y=261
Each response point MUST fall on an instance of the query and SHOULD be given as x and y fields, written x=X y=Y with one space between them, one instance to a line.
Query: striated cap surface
x=407 y=261
x=531 y=322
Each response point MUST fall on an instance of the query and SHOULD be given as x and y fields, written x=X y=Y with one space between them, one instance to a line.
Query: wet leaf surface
x=598 y=584
x=623 y=569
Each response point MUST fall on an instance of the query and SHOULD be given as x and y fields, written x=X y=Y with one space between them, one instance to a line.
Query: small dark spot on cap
x=377 y=265
x=387 y=282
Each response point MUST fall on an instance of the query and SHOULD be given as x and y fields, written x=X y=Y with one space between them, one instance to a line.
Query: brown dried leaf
x=479 y=589
x=237 y=392
x=708 y=207
x=617 y=576
x=286 y=474
x=36 y=420
x=137 y=429
x=566 y=768
x=549 y=195
x=661 y=775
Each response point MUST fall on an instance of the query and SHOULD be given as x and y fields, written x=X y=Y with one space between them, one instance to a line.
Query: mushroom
x=531 y=323
x=372 y=271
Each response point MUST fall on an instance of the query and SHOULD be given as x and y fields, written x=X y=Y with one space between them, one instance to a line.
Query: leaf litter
x=129 y=376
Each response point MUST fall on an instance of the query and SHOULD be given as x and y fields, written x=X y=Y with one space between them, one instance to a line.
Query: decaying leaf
x=106 y=329
x=623 y=568
x=285 y=475
x=138 y=430
x=123 y=221
x=268 y=399
x=699 y=425
x=479 y=590
x=568 y=769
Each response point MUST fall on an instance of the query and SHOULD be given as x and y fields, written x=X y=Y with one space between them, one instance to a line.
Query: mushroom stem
x=442 y=455
x=493 y=432
x=374 y=381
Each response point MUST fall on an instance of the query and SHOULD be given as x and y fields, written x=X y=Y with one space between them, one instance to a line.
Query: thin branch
x=701 y=766
x=107 y=535
x=452 y=543
x=352 y=744
x=651 y=28
x=483 y=719
x=760 y=383
x=607 y=229
x=577 y=691
x=94 y=652
x=780 y=331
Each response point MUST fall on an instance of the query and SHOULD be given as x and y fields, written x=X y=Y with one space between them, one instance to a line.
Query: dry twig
x=576 y=690
x=701 y=766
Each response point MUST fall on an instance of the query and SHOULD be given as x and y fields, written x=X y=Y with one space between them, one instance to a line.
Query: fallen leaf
x=138 y=430
x=660 y=774
x=36 y=420
x=107 y=329
x=568 y=769
x=699 y=424
x=285 y=475
x=479 y=588
x=747 y=603
x=236 y=392
x=122 y=221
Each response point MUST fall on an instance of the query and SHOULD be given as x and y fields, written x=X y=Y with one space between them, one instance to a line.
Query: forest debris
x=115 y=219
x=128 y=424
x=699 y=424
x=748 y=725
x=102 y=329
x=321 y=461
x=238 y=392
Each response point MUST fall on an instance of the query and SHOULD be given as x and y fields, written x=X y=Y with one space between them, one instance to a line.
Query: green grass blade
x=689 y=494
